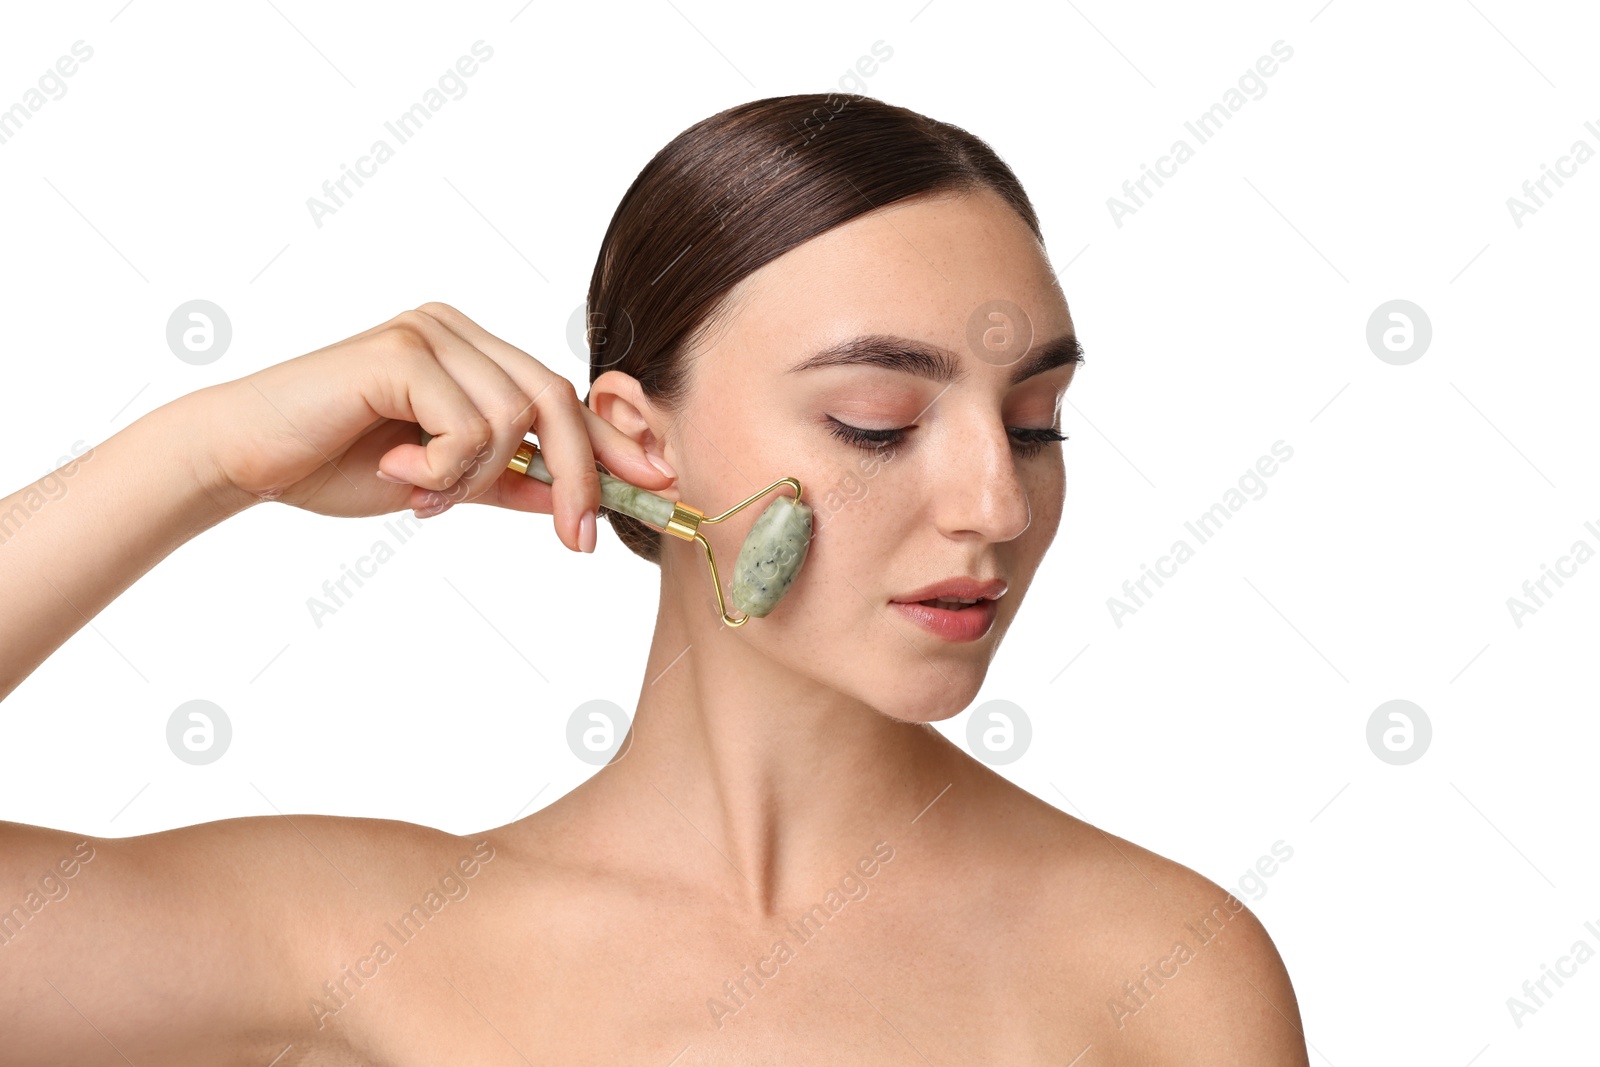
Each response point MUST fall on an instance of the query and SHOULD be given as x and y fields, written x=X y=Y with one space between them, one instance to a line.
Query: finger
x=408 y=384
x=421 y=346
x=509 y=410
x=518 y=492
x=621 y=454
x=556 y=419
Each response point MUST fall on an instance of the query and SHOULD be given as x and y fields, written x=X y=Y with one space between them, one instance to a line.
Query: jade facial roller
x=769 y=559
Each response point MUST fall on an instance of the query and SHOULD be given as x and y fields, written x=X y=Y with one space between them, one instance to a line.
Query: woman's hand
x=336 y=431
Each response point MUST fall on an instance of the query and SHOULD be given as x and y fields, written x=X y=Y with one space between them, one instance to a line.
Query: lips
x=957 y=609
x=962 y=588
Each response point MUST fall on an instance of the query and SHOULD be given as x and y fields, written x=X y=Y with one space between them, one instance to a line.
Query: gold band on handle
x=525 y=453
x=684 y=521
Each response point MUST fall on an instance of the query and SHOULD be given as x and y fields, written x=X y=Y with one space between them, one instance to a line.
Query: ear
x=618 y=398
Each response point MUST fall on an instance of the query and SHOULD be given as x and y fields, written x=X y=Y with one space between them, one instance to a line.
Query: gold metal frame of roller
x=684 y=522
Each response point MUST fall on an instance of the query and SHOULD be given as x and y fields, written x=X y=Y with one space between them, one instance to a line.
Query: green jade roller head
x=770 y=558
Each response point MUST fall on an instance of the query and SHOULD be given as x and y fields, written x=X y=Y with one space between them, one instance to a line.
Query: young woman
x=786 y=863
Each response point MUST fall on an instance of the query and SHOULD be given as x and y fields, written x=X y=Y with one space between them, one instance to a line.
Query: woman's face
x=920 y=467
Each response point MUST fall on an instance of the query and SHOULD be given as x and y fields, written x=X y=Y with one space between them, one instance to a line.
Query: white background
x=1228 y=313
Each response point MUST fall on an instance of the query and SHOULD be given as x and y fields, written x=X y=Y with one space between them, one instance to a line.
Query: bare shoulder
x=294 y=885
x=1173 y=968
x=120 y=929
x=326 y=857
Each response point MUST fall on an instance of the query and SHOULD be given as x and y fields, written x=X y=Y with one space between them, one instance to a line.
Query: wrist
x=186 y=430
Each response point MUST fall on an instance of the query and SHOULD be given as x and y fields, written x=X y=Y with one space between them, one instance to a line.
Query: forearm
x=71 y=542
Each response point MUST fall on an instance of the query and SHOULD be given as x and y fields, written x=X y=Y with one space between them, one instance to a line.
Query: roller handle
x=616 y=494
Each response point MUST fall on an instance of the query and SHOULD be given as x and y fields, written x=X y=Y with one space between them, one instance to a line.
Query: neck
x=772 y=781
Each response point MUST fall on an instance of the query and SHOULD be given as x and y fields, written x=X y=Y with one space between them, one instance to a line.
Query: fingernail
x=586 y=531
x=392 y=478
x=661 y=465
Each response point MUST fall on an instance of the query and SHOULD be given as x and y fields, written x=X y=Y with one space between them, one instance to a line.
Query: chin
x=933 y=681
x=912 y=689
x=924 y=703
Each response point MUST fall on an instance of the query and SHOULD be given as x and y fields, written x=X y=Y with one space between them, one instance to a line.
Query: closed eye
x=1028 y=440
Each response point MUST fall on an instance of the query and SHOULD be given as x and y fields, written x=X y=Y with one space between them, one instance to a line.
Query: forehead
x=921 y=268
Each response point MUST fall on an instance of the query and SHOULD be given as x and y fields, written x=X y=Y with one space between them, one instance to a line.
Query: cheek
x=859 y=523
x=1045 y=509
x=855 y=508
x=852 y=480
x=1045 y=501
x=726 y=451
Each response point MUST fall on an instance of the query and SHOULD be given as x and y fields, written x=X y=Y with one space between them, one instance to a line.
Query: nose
x=982 y=496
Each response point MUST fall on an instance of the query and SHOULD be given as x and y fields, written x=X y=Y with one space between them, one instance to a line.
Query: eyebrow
x=931 y=361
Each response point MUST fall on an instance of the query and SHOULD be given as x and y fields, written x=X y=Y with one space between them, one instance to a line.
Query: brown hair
x=734 y=192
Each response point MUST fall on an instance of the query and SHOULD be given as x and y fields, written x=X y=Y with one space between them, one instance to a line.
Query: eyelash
x=1029 y=440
